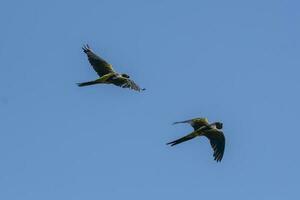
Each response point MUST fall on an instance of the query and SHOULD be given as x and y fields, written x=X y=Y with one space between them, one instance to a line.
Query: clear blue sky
x=232 y=61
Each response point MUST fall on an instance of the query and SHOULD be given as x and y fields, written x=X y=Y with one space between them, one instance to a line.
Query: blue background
x=232 y=61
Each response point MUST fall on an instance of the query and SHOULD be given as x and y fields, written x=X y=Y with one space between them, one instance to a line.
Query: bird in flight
x=202 y=128
x=106 y=73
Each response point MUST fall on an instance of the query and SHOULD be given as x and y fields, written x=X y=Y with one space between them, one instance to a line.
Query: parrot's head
x=125 y=75
x=219 y=125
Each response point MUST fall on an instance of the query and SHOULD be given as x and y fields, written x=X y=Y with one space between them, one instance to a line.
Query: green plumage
x=211 y=131
x=106 y=72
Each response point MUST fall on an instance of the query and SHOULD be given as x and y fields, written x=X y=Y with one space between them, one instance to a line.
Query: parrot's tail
x=87 y=83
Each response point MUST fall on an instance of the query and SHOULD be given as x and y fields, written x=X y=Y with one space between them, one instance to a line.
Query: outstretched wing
x=100 y=65
x=127 y=83
x=217 y=142
x=183 y=139
x=196 y=123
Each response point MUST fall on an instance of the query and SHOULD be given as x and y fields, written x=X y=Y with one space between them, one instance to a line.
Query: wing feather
x=100 y=65
x=196 y=123
x=126 y=83
x=217 y=142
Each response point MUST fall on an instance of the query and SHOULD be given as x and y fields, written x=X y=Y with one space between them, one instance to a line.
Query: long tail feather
x=86 y=83
x=183 y=139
